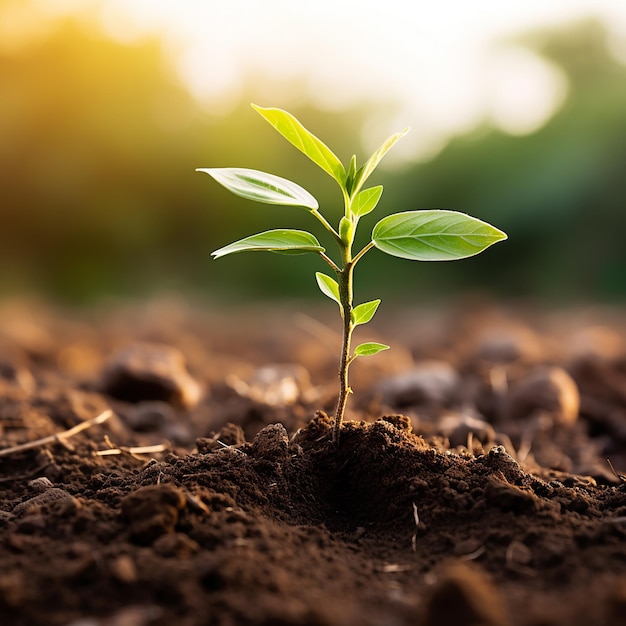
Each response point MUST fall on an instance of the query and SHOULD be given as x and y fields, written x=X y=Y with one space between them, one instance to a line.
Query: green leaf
x=435 y=235
x=369 y=348
x=364 y=173
x=328 y=287
x=291 y=129
x=294 y=241
x=363 y=313
x=351 y=173
x=261 y=186
x=365 y=201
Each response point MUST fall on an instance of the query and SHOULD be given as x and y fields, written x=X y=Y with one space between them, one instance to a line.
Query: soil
x=470 y=487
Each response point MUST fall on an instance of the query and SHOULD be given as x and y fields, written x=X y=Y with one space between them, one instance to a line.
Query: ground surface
x=471 y=485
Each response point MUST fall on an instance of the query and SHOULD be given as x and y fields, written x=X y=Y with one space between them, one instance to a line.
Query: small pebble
x=155 y=415
x=457 y=426
x=150 y=372
x=150 y=415
x=179 y=433
x=273 y=385
x=507 y=345
x=545 y=390
x=429 y=382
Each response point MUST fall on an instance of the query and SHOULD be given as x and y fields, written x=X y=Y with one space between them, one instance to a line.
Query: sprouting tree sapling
x=426 y=235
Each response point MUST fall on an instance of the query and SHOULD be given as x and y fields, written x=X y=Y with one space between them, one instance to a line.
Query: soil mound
x=486 y=520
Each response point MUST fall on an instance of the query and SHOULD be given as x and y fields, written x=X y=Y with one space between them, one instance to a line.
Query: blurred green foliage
x=99 y=143
x=560 y=193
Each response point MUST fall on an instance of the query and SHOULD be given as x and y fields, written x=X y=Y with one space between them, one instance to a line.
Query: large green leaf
x=435 y=235
x=294 y=241
x=292 y=130
x=364 y=173
x=363 y=313
x=369 y=348
x=365 y=201
x=261 y=186
x=328 y=286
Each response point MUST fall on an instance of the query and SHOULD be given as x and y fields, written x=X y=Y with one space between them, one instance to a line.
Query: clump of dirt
x=481 y=497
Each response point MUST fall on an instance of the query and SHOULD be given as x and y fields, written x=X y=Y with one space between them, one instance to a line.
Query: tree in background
x=100 y=141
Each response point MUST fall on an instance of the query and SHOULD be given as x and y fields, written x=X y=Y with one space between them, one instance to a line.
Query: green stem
x=330 y=262
x=344 y=280
x=344 y=273
x=362 y=253
x=345 y=293
x=328 y=227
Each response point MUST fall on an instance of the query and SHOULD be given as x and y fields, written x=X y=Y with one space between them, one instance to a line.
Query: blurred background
x=517 y=110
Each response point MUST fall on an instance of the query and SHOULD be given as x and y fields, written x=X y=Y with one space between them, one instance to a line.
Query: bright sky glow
x=443 y=64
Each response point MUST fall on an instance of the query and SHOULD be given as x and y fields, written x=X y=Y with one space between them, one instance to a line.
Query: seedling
x=430 y=235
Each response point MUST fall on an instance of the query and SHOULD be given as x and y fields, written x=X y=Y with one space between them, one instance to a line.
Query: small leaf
x=363 y=313
x=292 y=130
x=435 y=235
x=365 y=201
x=364 y=173
x=351 y=173
x=328 y=287
x=261 y=186
x=294 y=241
x=369 y=348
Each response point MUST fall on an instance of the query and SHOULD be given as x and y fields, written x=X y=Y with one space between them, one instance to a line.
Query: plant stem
x=345 y=293
x=364 y=251
x=344 y=280
x=330 y=262
x=328 y=227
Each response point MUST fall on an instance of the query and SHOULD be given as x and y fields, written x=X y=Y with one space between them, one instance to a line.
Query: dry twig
x=416 y=517
x=621 y=477
x=133 y=450
x=59 y=437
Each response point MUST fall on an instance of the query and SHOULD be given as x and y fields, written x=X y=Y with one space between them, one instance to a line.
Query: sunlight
x=434 y=63
x=524 y=91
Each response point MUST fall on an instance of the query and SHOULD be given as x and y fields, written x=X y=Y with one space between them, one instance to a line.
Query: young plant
x=430 y=235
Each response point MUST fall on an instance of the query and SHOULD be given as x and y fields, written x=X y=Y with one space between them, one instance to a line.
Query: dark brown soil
x=481 y=497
